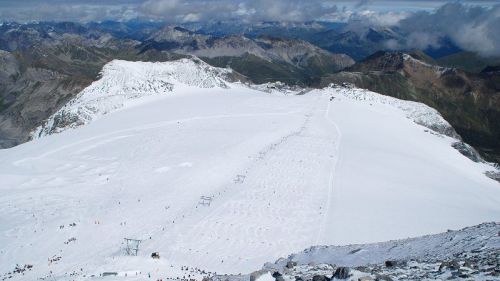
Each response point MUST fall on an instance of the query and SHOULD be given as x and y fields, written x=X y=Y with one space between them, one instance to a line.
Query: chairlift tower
x=132 y=246
x=205 y=200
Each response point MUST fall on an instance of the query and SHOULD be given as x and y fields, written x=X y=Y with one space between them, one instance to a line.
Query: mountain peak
x=122 y=82
x=177 y=34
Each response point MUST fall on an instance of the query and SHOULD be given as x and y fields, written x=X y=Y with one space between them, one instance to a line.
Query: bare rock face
x=467 y=151
x=341 y=273
x=30 y=98
x=9 y=66
x=9 y=70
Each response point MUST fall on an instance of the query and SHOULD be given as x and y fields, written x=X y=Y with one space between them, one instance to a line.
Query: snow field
x=285 y=172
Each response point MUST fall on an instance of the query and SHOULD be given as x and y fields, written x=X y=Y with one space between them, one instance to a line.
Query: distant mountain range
x=261 y=59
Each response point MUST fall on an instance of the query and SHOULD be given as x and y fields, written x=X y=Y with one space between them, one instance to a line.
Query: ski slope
x=284 y=172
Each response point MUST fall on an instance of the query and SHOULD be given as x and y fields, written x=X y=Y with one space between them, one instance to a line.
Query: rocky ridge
x=471 y=253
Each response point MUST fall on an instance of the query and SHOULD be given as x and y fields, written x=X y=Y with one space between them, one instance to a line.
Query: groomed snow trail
x=143 y=179
x=281 y=189
x=285 y=172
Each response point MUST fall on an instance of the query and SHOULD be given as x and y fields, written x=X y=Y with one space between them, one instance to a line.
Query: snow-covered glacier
x=222 y=176
x=122 y=82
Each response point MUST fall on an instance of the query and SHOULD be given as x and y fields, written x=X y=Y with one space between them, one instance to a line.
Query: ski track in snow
x=284 y=173
x=136 y=129
x=331 y=180
x=239 y=212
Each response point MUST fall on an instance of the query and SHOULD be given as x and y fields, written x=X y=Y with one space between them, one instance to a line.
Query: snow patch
x=440 y=70
x=163 y=169
x=265 y=277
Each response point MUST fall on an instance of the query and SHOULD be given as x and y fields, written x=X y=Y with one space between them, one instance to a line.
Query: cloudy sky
x=196 y=10
x=472 y=25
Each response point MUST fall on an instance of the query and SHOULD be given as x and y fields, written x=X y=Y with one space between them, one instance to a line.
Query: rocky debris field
x=477 y=265
x=439 y=259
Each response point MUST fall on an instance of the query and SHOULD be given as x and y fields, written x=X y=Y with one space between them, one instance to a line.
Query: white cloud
x=472 y=28
x=382 y=18
x=67 y=12
x=257 y=10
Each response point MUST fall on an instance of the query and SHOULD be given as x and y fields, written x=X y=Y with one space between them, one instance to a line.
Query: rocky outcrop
x=467 y=151
x=341 y=272
x=30 y=97
x=467 y=254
